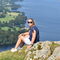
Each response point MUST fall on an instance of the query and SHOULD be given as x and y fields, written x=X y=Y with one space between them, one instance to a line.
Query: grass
x=8 y=55
x=7 y=28
x=53 y=46
x=13 y=13
x=9 y=16
x=20 y=55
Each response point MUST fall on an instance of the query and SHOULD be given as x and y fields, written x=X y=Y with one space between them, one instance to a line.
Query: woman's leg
x=20 y=38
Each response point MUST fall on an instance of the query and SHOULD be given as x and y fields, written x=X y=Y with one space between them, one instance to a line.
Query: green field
x=12 y=29
x=9 y=16
x=13 y=13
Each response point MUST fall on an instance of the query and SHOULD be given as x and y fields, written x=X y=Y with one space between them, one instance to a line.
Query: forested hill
x=7 y=5
x=11 y=22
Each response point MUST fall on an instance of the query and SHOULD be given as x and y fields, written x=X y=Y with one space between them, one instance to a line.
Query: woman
x=30 y=37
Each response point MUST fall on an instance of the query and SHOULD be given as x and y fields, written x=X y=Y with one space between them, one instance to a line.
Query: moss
x=32 y=56
x=53 y=46
x=39 y=47
x=32 y=50
x=35 y=59
x=21 y=54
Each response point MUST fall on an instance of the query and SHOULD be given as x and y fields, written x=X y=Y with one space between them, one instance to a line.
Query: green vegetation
x=53 y=46
x=21 y=54
x=11 y=22
x=12 y=13
x=13 y=18
x=8 y=55
x=9 y=16
x=7 y=5
x=10 y=36
x=7 y=28
x=11 y=26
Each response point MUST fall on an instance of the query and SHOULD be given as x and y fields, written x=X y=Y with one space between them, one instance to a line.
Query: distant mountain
x=8 y=5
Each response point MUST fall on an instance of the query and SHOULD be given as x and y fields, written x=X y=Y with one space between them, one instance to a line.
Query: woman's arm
x=33 y=36
x=26 y=33
x=33 y=39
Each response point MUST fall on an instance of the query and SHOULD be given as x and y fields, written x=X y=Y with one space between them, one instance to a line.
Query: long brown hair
x=32 y=20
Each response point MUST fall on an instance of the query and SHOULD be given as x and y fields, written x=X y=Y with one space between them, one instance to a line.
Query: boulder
x=55 y=55
x=40 y=51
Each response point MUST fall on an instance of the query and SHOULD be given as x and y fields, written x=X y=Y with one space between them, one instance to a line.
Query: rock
x=58 y=58
x=47 y=50
x=46 y=44
x=57 y=42
x=55 y=55
x=40 y=51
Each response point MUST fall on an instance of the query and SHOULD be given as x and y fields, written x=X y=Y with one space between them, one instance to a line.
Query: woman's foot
x=13 y=50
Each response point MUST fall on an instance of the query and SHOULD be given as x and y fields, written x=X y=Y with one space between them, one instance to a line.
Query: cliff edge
x=47 y=50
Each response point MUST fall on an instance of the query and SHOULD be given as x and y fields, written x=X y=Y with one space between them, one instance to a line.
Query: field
x=9 y=16
x=12 y=29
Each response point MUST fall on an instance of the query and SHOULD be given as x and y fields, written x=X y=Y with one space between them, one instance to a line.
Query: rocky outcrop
x=47 y=50
x=55 y=55
x=44 y=51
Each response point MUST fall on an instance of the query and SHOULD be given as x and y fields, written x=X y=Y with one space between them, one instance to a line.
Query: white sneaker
x=13 y=50
x=19 y=48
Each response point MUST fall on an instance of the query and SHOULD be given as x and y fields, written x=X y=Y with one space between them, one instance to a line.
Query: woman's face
x=30 y=22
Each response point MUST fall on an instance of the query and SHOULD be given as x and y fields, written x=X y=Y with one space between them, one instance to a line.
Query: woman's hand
x=32 y=43
x=29 y=46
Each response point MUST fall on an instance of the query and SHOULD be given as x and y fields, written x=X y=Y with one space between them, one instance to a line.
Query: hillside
x=12 y=23
x=40 y=51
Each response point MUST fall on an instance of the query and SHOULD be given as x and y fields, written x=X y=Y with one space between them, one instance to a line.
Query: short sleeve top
x=37 y=33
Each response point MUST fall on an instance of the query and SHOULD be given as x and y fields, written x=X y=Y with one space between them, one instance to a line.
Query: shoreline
x=8 y=47
x=49 y=50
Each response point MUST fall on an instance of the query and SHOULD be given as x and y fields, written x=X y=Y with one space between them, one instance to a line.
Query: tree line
x=11 y=36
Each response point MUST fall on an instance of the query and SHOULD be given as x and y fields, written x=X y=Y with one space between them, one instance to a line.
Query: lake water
x=7 y=47
x=46 y=13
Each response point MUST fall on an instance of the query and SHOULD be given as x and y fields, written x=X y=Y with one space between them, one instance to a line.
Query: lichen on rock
x=46 y=50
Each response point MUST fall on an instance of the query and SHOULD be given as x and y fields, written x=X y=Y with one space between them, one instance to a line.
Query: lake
x=7 y=47
x=46 y=14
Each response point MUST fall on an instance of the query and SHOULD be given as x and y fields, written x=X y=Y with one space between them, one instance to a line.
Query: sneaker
x=19 y=48
x=13 y=50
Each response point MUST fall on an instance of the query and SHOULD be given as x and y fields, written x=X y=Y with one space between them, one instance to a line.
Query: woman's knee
x=19 y=36
x=22 y=37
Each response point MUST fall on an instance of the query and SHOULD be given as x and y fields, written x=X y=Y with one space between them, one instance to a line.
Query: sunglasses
x=30 y=22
